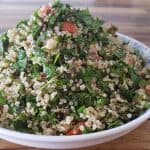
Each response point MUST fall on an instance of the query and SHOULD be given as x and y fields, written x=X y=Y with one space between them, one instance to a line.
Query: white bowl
x=76 y=141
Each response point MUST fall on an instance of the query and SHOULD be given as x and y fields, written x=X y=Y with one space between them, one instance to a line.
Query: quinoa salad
x=64 y=72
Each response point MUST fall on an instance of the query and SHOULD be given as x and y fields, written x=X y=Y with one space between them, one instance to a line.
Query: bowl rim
x=73 y=138
x=82 y=137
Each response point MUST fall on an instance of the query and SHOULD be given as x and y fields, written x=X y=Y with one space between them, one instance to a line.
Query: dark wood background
x=132 y=18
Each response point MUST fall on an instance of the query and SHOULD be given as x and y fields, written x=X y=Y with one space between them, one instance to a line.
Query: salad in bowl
x=64 y=72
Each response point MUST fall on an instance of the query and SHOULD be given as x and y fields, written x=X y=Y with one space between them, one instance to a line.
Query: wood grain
x=132 y=18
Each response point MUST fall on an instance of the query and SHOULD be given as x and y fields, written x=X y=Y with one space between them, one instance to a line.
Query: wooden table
x=131 y=16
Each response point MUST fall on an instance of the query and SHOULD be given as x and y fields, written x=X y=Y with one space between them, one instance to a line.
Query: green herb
x=27 y=98
x=4 y=42
x=2 y=98
x=82 y=99
x=84 y=16
x=135 y=78
x=81 y=109
x=120 y=54
x=62 y=81
x=142 y=83
x=90 y=73
x=39 y=42
x=58 y=4
x=21 y=63
x=115 y=123
x=104 y=86
x=81 y=39
x=70 y=52
x=101 y=101
x=56 y=58
x=36 y=31
x=51 y=117
x=38 y=54
x=36 y=69
x=22 y=59
x=52 y=21
x=120 y=69
x=22 y=23
x=50 y=70
x=102 y=53
x=20 y=124
x=87 y=130
x=127 y=94
x=147 y=105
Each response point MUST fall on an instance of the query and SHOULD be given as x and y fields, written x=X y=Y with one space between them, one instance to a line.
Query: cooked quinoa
x=63 y=72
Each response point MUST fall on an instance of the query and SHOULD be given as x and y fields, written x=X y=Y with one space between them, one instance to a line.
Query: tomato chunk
x=74 y=132
x=69 y=27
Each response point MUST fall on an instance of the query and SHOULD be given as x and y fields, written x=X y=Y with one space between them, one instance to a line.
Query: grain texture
x=132 y=18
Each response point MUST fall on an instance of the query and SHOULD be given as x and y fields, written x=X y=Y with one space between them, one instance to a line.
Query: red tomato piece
x=74 y=132
x=69 y=27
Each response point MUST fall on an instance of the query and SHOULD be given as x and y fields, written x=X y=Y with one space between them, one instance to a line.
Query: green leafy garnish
x=115 y=123
x=2 y=98
x=104 y=86
x=50 y=70
x=120 y=54
x=4 y=42
x=127 y=94
x=36 y=32
x=21 y=63
x=87 y=130
x=90 y=73
x=20 y=124
x=101 y=101
x=147 y=105
x=36 y=69
x=56 y=58
x=81 y=109
x=21 y=23
x=135 y=78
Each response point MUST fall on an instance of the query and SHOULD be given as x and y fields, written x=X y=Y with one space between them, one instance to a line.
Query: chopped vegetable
x=74 y=132
x=69 y=27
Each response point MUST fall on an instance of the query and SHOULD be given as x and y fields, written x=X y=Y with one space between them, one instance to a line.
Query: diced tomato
x=69 y=27
x=74 y=132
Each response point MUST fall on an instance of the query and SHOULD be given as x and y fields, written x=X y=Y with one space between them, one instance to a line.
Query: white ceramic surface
x=65 y=142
